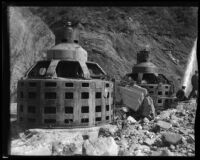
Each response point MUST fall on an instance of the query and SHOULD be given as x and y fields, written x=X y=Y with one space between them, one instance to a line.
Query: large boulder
x=100 y=146
x=172 y=138
x=147 y=108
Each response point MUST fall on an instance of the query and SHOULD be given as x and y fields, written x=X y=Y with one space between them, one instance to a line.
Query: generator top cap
x=145 y=67
x=68 y=49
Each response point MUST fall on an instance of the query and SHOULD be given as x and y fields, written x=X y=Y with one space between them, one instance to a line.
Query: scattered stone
x=165 y=152
x=149 y=141
x=146 y=120
x=184 y=131
x=190 y=140
x=164 y=125
x=57 y=148
x=139 y=153
x=164 y=115
x=101 y=146
x=131 y=120
x=139 y=127
x=172 y=138
x=174 y=123
x=104 y=132
x=172 y=147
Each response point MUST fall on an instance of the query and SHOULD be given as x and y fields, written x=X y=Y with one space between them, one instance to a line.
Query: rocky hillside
x=29 y=37
x=111 y=35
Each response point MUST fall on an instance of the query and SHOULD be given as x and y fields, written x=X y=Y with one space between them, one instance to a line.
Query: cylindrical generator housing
x=65 y=90
x=64 y=103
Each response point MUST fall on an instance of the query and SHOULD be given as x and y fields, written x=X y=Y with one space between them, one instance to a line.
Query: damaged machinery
x=152 y=88
x=65 y=90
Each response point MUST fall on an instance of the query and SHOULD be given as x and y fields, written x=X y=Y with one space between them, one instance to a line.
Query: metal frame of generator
x=65 y=90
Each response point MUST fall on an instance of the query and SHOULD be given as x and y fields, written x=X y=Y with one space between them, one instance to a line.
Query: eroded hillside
x=111 y=35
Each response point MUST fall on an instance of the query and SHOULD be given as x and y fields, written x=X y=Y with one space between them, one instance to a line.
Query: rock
x=149 y=141
x=101 y=146
x=139 y=127
x=164 y=125
x=131 y=120
x=69 y=149
x=174 y=123
x=164 y=115
x=172 y=147
x=104 y=132
x=190 y=139
x=172 y=138
x=166 y=152
x=139 y=153
x=184 y=131
x=124 y=143
x=57 y=148
x=147 y=109
x=162 y=153
x=146 y=120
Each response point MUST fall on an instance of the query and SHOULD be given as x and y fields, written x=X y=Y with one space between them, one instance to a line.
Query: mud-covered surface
x=171 y=133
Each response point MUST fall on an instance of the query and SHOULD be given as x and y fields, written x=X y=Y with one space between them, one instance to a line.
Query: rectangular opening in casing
x=98 y=94
x=68 y=121
x=166 y=87
x=151 y=92
x=49 y=110
x=107 y=107
x=31 y=109
x=98 y=109
x=68 y=109
x=21 y=108
x=22 y=84
x=98 y=119
x=50 y=95
x=159 y=92
x=21 y=119
x=85 y=109
x=69 y=95
x=32 y=84
x=151 y=87
x=159 y=100
x=85 y=84
x=107 y=117
x=84 y=120
x=49 y=121
x=84 y=95
x=50 y=84
x=69 y=84
x=31 y=120
x=21 y=95
x=166 y=93
x=31 y=95
x=107 y=85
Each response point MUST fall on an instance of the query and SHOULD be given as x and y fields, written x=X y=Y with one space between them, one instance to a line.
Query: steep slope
x=113 y=35
x=29 y=37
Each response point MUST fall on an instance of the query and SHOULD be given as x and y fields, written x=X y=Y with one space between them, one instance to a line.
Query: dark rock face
x=29 y=38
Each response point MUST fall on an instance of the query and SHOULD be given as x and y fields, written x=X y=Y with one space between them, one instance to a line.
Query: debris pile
x=171 y=133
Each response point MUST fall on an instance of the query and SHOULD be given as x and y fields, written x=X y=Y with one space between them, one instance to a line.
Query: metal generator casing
x=65 y=103
x=65 y=90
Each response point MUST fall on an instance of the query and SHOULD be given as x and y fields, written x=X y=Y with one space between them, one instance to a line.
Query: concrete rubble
x=138 y=137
